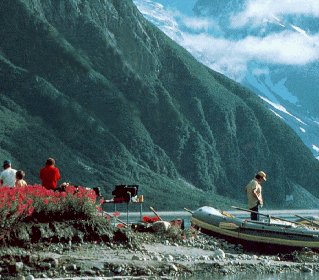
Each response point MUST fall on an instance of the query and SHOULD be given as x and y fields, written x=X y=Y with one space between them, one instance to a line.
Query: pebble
x=44 y=265
x=89 y=272
x=204 y=258
x=224 y=271
x=173 y=267
x=71 y=267
x=219 y=253
x=306 y=269
x=169 y=258
x=157 y=258
x=135 y=258
x=19 y=266
x=118 y=270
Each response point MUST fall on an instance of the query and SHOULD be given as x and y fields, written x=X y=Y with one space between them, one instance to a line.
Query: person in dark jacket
x=50 y=175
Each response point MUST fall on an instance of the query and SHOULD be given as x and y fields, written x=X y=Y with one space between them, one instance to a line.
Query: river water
x=135 y=214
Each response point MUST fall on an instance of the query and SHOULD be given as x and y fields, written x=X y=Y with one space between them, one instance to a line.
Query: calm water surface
x=135 y=213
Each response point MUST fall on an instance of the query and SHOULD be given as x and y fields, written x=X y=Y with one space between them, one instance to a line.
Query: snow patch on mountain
x=276 y=114
x=278 y=21
x=315 y=148
x=298 y=29
x=161 y=17
x=281 y=109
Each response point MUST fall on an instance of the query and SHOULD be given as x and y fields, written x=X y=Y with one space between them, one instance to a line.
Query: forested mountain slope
x=115 y=101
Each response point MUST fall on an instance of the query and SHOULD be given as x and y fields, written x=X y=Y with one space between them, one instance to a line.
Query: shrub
x=37 y=203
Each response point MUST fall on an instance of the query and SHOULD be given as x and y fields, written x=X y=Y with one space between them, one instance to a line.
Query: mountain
x=291 y=91
x=115 y=101
x=276 y=57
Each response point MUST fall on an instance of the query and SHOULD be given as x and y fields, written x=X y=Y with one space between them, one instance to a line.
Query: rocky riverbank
x=129 y=254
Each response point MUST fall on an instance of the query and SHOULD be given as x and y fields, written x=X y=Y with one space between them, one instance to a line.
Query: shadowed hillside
x=94 y=85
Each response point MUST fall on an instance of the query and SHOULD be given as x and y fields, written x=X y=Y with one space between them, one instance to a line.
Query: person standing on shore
x=254 y=194
x=8 y=175
x=50 y=175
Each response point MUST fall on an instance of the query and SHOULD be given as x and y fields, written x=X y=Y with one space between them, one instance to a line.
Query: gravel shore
x=165 y=254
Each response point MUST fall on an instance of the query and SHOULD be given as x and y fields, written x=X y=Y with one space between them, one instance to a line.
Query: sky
x=288 y=45
x=256 y=11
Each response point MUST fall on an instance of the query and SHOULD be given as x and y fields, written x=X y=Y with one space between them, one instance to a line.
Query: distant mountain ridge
x=291 y=91
x=297 y=81
x=114 y=100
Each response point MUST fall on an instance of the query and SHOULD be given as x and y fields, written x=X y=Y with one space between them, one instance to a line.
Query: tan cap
x=262 y=174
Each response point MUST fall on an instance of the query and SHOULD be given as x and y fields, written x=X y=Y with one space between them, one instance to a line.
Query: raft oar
x=304 y=218
x=190 y=211
x=125 y=224
x=158 y=216
x=312 y=222
x=265 y=215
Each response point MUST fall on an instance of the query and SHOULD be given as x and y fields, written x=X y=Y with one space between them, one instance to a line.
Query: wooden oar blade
x=158 y=216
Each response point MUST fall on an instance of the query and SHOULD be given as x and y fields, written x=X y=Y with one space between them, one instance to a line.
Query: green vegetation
x=115 y=101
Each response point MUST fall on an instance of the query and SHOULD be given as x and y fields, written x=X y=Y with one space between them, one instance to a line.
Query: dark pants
x=254 y=216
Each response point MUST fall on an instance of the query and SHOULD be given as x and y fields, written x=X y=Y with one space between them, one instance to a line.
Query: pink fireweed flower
x=21 y=209
x=18 y=203
x=30 y=211
x=63 y=194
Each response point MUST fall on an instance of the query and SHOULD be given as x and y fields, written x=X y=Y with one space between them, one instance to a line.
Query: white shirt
x=8 y=177
x=252 y=187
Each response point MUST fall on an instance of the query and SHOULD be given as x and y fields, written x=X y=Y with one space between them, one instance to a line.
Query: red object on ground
x=148 y=219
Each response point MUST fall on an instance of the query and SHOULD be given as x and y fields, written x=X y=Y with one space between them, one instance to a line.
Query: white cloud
x=230 y=56
x=205 y=40
x=199 y=24
x=257 y=12
x=260 y=72
x=284 y=48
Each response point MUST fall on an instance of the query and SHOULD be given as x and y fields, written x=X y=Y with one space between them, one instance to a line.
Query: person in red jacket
x=50 y=175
